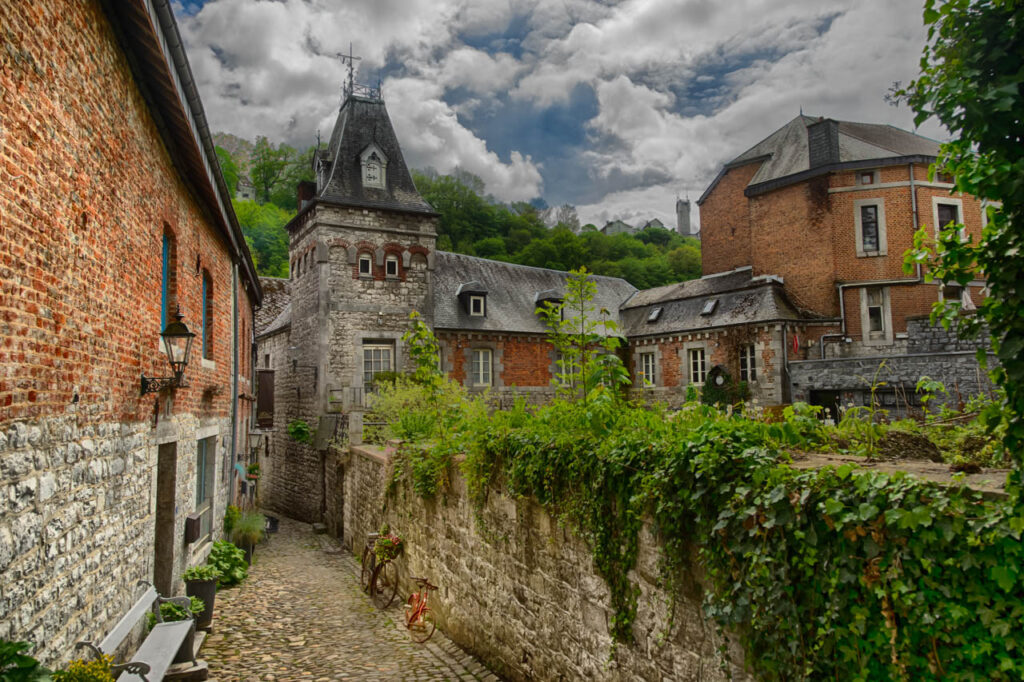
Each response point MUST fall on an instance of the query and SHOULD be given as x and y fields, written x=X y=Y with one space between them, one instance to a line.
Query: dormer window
x=473 y=297
x=477 y=306
x=655 y=314
x=365 y=265
x=709 y=306
x=391 y=266
x=374 y=165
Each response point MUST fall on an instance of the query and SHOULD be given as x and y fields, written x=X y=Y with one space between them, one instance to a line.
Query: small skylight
x=709 y=306
x=655 y=314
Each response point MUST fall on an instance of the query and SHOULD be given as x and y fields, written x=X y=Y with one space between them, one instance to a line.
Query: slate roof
x=511 y=293
x=276 y=296
x=362 y=122
x=281 y=322
x=738 y=299
x=784 y=153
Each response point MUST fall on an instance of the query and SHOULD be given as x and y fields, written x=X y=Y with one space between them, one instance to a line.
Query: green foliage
x=228 y=168
x=298 y=431
x=231 y=516
x=250 y=529
x=95 y=670
x=585 y=339
x=170 y=612
x=971 y=81
x=201 y=573
x=17 y=666
x=724 y=392
x=387 y=546
x=230 y=561
x=263 y=227
x=822 y=574
x=473 y=224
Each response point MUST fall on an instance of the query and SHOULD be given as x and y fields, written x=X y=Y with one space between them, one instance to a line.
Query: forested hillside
x=471 y=222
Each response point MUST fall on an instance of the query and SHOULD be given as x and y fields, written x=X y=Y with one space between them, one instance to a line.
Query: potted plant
x=252 y=472
x=248 y=531
x=201 y=582
x=170 y=612
x=388 y=545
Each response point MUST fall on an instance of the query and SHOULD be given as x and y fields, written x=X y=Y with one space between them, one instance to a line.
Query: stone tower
x=683 y=218
x=361 y=252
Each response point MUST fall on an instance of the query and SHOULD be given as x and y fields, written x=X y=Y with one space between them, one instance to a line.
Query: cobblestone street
x=302 y=616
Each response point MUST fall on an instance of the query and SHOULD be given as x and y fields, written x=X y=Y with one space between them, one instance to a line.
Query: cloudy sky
x=615 y=107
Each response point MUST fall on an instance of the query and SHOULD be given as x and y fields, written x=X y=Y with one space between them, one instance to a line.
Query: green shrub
x=298 y=431
x=95 y=670
x=17 y=666
x=230 y=561
x=201 y=573
x=171 y=612
x=231 y=516
x=250 y=529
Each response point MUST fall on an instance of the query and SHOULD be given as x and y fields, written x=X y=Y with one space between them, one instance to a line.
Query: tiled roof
x=276 y=295
x=511 y=293
x=362 y=122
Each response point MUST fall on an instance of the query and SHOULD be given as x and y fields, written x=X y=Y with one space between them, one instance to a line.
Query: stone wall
x=524 y=596
x=925 y=337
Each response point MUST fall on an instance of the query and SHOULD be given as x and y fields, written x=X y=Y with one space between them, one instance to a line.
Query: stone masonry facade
x=88 y=189
x=550 y=617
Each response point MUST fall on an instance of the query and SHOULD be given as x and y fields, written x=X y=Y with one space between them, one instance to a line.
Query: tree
x=228 y=168
x=263 y=227
x=565 y=216
x=267 y=167
x=971 y=80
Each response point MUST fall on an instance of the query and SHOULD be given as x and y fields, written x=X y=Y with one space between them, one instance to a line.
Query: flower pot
x=207 y=591
x=272 y=524
x=187 y=649
x=248 y=548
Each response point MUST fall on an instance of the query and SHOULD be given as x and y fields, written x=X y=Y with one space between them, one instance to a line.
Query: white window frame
x=368 y=259
x=482 y=310
x=376 y=348
x=366 y=160
x=693 y=372
x=873 y=172
x=951 y=201
x=748 y=363
x=883 y=248
x=482 y=366
x=649 y=369
x=206 y=459
x=885 y=336
x=391 y=260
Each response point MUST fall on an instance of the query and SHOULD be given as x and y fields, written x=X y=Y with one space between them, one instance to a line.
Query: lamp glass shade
x=178 y=344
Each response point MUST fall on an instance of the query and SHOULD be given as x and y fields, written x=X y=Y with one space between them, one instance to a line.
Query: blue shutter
x=164 y=314
x=206 y=305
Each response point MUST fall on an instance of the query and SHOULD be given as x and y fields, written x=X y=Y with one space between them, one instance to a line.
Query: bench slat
x=159 y=649
x=128 y=622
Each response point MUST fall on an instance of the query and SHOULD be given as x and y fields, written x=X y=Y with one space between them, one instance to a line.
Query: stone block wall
x=523 y=596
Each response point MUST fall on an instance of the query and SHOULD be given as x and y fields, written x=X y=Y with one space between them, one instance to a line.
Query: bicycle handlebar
x=423 y=582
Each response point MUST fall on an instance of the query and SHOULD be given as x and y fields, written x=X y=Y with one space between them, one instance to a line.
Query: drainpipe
x=913 y=207
x=787 y=390
x=234 y=375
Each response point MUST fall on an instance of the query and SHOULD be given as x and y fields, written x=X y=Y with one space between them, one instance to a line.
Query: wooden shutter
x=265 y=398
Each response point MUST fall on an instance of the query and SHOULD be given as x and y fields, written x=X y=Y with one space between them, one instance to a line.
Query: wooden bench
x=156 y=654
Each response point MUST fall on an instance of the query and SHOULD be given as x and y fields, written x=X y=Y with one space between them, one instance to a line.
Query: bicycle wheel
x=368 y=561
x=424 y=628
x=385 y=584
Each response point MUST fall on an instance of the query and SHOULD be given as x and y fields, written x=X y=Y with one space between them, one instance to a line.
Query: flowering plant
x=387 y=546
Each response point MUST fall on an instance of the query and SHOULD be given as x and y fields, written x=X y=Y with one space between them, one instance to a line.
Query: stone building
x=114 y=215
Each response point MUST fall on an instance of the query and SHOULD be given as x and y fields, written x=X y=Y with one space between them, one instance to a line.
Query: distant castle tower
x=683 y=219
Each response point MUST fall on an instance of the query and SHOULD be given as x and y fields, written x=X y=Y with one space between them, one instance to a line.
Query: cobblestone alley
x=302 y=616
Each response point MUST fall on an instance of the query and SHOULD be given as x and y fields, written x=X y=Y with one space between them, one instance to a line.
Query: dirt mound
x=902 y=445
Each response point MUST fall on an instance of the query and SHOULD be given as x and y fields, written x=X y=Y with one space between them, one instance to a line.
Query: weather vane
x=351 y=87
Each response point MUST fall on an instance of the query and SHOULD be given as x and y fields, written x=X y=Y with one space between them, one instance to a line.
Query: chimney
x=823 y=142
x=306 y=192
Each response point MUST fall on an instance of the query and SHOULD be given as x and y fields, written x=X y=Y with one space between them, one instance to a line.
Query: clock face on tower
x=373 y=173
x=374 y=168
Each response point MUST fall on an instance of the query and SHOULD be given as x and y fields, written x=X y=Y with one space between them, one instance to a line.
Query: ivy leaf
x=833 y=507
x=1004 y=577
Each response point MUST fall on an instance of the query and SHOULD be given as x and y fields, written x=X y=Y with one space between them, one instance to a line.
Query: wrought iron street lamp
x=178 y=343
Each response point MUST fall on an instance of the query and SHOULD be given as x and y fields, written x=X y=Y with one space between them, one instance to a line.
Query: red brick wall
x=725 y=222
x=86 y=187
x=526 y=359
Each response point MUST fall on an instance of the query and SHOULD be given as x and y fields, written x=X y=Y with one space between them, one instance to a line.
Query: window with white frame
x=481 y=367
x=391 y=266
x=648 y=369
x=748 y=363
x=869 y=219
x=477 y=306
x=205 y=465
x=698 y=366
x=947 y=210
x=377 y=358
x=875 y=315
x=365 y=265
x=867 y=177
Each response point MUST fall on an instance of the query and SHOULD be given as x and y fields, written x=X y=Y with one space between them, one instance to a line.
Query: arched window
x=168 y=279
x=207 y=316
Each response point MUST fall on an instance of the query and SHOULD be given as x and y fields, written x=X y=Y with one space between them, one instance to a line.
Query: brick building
x=114 y=215
x=829 y=207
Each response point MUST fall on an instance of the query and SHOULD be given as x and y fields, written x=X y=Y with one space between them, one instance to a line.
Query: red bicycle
x=419 y=619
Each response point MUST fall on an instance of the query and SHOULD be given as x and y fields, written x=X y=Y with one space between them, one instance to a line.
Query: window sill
x=208 y=364
x=393 y=278
x=366 y=277
x=871 y=254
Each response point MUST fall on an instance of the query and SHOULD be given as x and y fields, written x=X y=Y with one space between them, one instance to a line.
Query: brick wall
x=725 y=223
x=87 y=189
